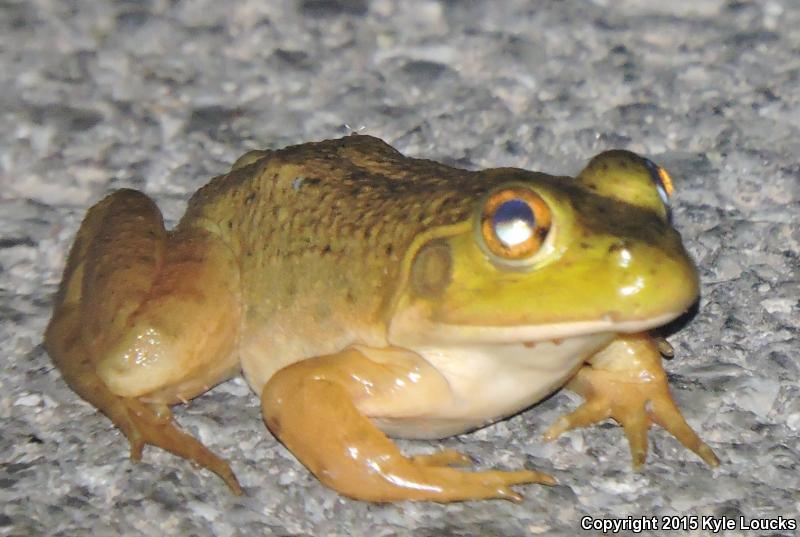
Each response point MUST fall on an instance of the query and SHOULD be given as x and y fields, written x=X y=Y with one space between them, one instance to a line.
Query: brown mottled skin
x=308 y=209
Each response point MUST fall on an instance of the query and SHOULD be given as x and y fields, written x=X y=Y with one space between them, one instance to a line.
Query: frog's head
x=546 y=257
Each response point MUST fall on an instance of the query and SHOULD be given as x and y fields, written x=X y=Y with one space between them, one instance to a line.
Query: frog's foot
x=141 y=423
x=626 y=382
x=310 y=406
x=144 y=424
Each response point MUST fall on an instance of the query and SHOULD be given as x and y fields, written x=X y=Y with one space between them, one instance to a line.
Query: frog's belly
x=490 y=382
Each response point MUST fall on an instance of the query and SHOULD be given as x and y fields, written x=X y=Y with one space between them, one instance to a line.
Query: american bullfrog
x=365 y=294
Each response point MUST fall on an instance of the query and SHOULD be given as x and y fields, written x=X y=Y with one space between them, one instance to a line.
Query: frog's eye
x=662 y=182
x=514 y=223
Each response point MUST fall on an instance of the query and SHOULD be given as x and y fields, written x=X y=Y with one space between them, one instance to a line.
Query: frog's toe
x=456 y=485
x=592 y=411
x=664 y=412
x=504 y=480
x=445 y=457
x=144 y=424
x=636 y=425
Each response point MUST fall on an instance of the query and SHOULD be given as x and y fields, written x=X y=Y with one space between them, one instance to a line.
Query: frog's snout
x=664 y=279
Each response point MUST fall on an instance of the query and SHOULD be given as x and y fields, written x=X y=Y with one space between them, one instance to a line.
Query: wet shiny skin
x=362 y=292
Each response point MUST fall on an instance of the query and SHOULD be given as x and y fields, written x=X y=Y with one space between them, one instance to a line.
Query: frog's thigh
x=627 y=382
x=181 y=338
x=315 y=408
x=143 y=313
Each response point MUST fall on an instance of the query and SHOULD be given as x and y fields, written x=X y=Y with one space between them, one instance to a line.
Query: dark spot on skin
x=248 y=253
x=592 y=186
x=326 y=249
x=230 y=224
x=350 y=298
x=389 y=250
x=584 y=245
x=250 y=198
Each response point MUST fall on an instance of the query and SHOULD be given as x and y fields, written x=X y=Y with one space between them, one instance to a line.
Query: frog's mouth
x=410 y=326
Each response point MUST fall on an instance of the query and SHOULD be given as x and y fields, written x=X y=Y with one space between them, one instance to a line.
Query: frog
x=365 y=295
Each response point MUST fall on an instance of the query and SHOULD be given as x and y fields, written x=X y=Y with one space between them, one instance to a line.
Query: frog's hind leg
x=315 y=407
x=625 y=381
x=140 y=422
x=122 y=291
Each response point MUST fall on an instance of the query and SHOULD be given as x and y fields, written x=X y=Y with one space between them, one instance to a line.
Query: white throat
x=489 y=381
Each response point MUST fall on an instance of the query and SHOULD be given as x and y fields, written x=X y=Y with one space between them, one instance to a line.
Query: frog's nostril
x=618 y=245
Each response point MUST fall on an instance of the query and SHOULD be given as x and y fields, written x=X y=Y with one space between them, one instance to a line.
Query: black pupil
x=513 y=222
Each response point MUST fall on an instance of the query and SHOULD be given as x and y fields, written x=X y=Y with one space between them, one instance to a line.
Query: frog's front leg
x=626 y=381
x=318 y=408
x=143 y=319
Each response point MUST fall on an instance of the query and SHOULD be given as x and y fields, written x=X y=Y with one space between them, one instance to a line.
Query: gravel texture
x=162 y=95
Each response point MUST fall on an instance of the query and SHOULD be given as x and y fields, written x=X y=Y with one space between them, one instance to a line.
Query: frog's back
x=321 y=230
